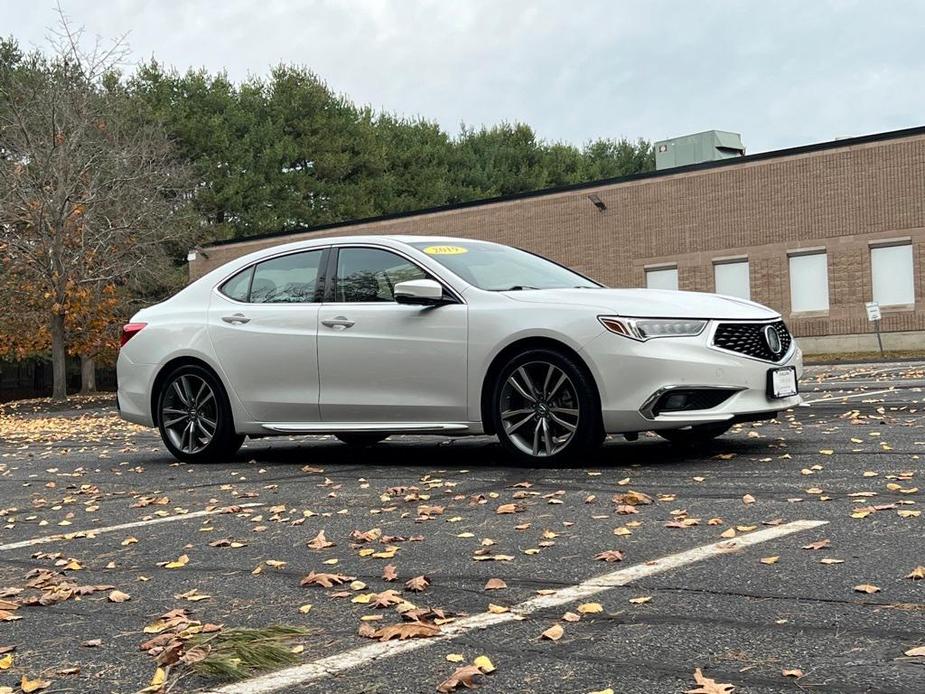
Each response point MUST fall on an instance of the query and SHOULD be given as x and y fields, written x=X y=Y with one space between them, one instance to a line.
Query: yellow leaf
x=455 y=657
x=6 y=662
x=641 y=600
x=484 y=664
x=603 y=691
x=728 y=533
x=35 y=685
x=826 y=451
x=363 y=598
x=497 y=609
x=160 y=676
x=357 y=585
x=129 y=541
x=181 y=561
x=305 y=609
x=918 y=651
x=770 y=560
x=275 y=563
x=330 y=562
x=590 y=608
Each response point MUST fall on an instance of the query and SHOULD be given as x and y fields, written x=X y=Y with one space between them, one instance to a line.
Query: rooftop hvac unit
x=711 y=145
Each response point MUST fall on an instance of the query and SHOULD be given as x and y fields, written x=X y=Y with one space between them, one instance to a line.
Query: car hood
x=651 y=303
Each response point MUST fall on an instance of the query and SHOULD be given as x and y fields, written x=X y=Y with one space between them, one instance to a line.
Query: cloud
x=782 y=73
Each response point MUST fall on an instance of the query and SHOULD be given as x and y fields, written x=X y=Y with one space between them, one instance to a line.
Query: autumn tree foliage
x=92 y=197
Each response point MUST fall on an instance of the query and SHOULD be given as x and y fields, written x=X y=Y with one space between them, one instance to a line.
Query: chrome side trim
x=649 y=404
x=363 y=427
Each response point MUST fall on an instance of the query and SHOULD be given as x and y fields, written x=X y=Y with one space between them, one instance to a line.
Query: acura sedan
x=364 y=337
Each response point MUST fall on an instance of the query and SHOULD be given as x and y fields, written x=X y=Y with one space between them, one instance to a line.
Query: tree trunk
x=58 y=358
x=87 y=374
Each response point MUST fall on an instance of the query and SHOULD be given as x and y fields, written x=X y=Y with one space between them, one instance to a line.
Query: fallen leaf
x=507 y=508
x=179 y=563
x=590 y=608
x=770 y=560
x=830 y=560
x=92 y=643
x=610 y=555
x=461 y=677
x=389 y=573
x=319 y=541
x=407 y=630
x=918 y=573
x=570 y=617
x=553 y=633
x=866 y=588
x=455 y=657
x=818 y=544
x=119 y=596
x=497 y=609
x=495 y=584
x=709 y=686
x=305 y=609
x=747 y=499
x=641 y=600
x=418 y=584
x=483 y=663
x=325 y=580
x=35 y=685
x=6 y=662
x=918 y=651
x=796 y=672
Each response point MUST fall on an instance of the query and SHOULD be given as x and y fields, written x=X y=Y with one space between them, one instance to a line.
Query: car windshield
x=502 y=268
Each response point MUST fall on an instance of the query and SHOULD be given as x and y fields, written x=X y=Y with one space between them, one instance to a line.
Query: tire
x=696 y=435
x=359 y=439
x=545 y=408
x=194 y=416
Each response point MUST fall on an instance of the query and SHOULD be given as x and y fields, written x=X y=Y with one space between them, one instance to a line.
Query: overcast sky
x=782 y=73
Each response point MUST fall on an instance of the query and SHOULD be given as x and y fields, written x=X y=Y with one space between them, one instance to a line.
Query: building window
x=809 y=282
x=892 y=275
x=662 y=278
x=732 y=278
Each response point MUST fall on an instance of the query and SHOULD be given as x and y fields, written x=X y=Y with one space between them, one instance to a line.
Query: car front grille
x=749 y=339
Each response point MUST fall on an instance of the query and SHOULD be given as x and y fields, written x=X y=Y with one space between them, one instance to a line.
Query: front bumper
x=628 y=373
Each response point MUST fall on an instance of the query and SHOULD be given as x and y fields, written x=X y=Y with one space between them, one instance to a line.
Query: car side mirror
x=420 y=292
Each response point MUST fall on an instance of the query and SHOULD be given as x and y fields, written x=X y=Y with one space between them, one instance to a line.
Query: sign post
x=873 y=315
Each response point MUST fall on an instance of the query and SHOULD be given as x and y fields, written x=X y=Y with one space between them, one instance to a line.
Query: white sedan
x=363 y=337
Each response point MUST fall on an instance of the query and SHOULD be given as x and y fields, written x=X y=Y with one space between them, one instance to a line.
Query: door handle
x=338 y=322
x=236 y=318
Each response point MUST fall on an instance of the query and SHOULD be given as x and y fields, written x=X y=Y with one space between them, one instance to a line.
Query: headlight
x=648 y=328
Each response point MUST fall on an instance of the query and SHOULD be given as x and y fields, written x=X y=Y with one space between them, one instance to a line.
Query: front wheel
x=545 y=407
x=194 y=416
x=695 y=435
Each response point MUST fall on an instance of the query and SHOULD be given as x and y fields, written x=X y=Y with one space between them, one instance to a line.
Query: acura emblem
x=773 y=340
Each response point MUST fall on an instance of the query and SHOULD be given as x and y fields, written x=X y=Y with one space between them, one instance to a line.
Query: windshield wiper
x=516 y=288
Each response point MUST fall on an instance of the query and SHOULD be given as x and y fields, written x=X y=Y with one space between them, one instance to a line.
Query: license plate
x=782 y=383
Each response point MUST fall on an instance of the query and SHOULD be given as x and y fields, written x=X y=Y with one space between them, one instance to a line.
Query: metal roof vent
x=711 y=145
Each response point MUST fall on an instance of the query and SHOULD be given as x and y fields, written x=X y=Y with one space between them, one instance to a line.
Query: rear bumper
x=630 y=373
x=133 y=395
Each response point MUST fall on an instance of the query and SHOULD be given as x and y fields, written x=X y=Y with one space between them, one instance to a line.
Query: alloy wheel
x=189 y=412
x=539 y=408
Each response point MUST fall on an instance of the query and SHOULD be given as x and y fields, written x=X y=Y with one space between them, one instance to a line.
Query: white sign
x=873 y=310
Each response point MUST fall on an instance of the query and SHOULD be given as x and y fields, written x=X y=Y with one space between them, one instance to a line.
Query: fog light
x=675 y=401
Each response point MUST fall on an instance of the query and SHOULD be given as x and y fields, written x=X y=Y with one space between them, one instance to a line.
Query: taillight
x=129 y=330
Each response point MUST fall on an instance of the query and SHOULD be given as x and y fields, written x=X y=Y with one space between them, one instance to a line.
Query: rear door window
x=288 y=279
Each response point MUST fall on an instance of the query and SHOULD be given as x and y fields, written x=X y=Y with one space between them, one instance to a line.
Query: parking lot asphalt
x=829 y=608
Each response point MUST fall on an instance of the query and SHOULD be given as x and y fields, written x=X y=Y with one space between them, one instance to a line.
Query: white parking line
x=93 y=532
x=853 y=395
x=335 y=664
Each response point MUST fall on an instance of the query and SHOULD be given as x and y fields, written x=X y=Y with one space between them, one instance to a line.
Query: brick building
x=814 y=232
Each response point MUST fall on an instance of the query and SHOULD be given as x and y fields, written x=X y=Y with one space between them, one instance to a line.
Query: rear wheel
x=194 y=416
x=692 y=436
x=545 y=407
x=360 y=439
